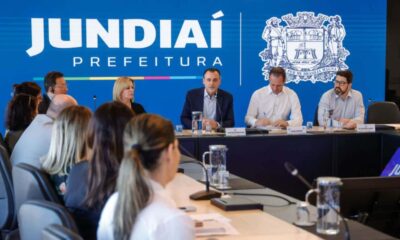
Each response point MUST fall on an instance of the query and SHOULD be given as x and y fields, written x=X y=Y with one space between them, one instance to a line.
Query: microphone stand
x=204 y=194
x=94 y=102
x=294 y=172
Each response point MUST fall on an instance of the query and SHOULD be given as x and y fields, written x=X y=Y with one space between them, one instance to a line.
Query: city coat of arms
x=309 y=47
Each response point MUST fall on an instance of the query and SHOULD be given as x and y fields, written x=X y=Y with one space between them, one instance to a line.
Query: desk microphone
x=292 y=170
x=94 y=102
x=200 y=195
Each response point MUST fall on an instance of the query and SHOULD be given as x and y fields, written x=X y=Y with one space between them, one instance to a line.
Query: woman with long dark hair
x=21 y=110
x=91 y=182
x=141 y=208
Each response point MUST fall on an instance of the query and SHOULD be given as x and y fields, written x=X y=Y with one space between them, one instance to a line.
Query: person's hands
x=280 y=123
x=262 y=122
x=344 y=121
x=211 y=122
x=350 y=125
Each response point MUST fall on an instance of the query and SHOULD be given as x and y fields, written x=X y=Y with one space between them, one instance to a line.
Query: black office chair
x=383 y=112
x=11 y=139
x=7 y=213
x=59 y=232
x=6 y=158
x=34 y=216
x=2 y=140
x=315 y=122
x=31 y=183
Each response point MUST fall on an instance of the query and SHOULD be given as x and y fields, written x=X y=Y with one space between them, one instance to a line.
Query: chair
x=31 y=183
x=6 y=158
x=383 y=112
x=34 y=216
x=7 y=213
x=11 y=139
x=315 y=122
x=59 y=232
x=1 y=140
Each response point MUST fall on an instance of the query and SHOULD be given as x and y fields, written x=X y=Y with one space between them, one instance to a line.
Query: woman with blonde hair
x=124 y=91
x=67 y=146
x=142 y=208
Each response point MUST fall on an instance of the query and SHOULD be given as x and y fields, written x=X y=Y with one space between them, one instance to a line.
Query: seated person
x=344 y=104
x=124 y=91
x=67 y=146
x=21 y=111
x=274 y=105
x=90 y=183
x=35 y=141
x=215 y=103
x=54 y=83
x=142 y=208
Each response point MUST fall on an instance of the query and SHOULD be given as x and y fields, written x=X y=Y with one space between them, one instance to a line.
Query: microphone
x=94 y=102
x=294 y=172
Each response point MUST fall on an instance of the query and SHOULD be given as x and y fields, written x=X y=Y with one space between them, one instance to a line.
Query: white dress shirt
x=160 y=219
x=352 y=107
x=264 y=103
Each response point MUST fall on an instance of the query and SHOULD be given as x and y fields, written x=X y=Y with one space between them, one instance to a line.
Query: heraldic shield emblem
x=309 y=47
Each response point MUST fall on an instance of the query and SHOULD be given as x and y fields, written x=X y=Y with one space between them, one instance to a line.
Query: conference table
x=261 y=157
x=275 y=222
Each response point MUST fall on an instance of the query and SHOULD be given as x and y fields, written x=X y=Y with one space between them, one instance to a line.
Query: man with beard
x=215 y=103
x=342 y=103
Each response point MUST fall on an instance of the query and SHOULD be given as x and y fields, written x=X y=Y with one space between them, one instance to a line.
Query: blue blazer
x=195 y=101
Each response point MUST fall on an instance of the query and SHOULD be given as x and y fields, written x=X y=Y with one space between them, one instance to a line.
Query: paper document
x=211 y=224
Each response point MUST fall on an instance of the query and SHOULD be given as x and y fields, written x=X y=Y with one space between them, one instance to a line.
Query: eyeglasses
x=340 y=83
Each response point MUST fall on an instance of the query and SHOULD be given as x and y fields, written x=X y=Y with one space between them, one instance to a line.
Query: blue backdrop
x=177 y=54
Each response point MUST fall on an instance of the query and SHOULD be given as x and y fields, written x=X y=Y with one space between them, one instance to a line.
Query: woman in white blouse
x=142 y=209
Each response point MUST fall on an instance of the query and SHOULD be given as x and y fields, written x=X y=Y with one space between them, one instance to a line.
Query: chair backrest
x=7 y=213
x=31 y=183
x=6 y=157
x=12 y=138
x=59 y=232
x=34 y=216
x=315 y=122
x=383 y=112
x=2 y=143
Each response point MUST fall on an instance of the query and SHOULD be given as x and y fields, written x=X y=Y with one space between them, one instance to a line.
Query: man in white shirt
x=35 y=141
x=274 y=105
x=342 y=103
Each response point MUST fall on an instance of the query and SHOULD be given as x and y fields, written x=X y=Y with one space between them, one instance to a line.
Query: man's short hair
x=50 y=79
x=347 y=74
x=277 y=72
x=211 y=70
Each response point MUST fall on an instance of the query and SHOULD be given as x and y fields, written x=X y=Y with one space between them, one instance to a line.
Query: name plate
x=296 y=130
x=365 y=128
x=233 y=132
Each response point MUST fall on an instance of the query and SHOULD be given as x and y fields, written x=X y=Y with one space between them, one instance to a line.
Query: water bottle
x=197 y=126
x=328 y=120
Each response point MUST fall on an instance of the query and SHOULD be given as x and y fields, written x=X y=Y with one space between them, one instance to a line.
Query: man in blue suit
x=216 y=104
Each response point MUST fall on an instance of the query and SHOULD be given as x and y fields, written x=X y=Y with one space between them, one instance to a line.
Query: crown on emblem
x=305 y=20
